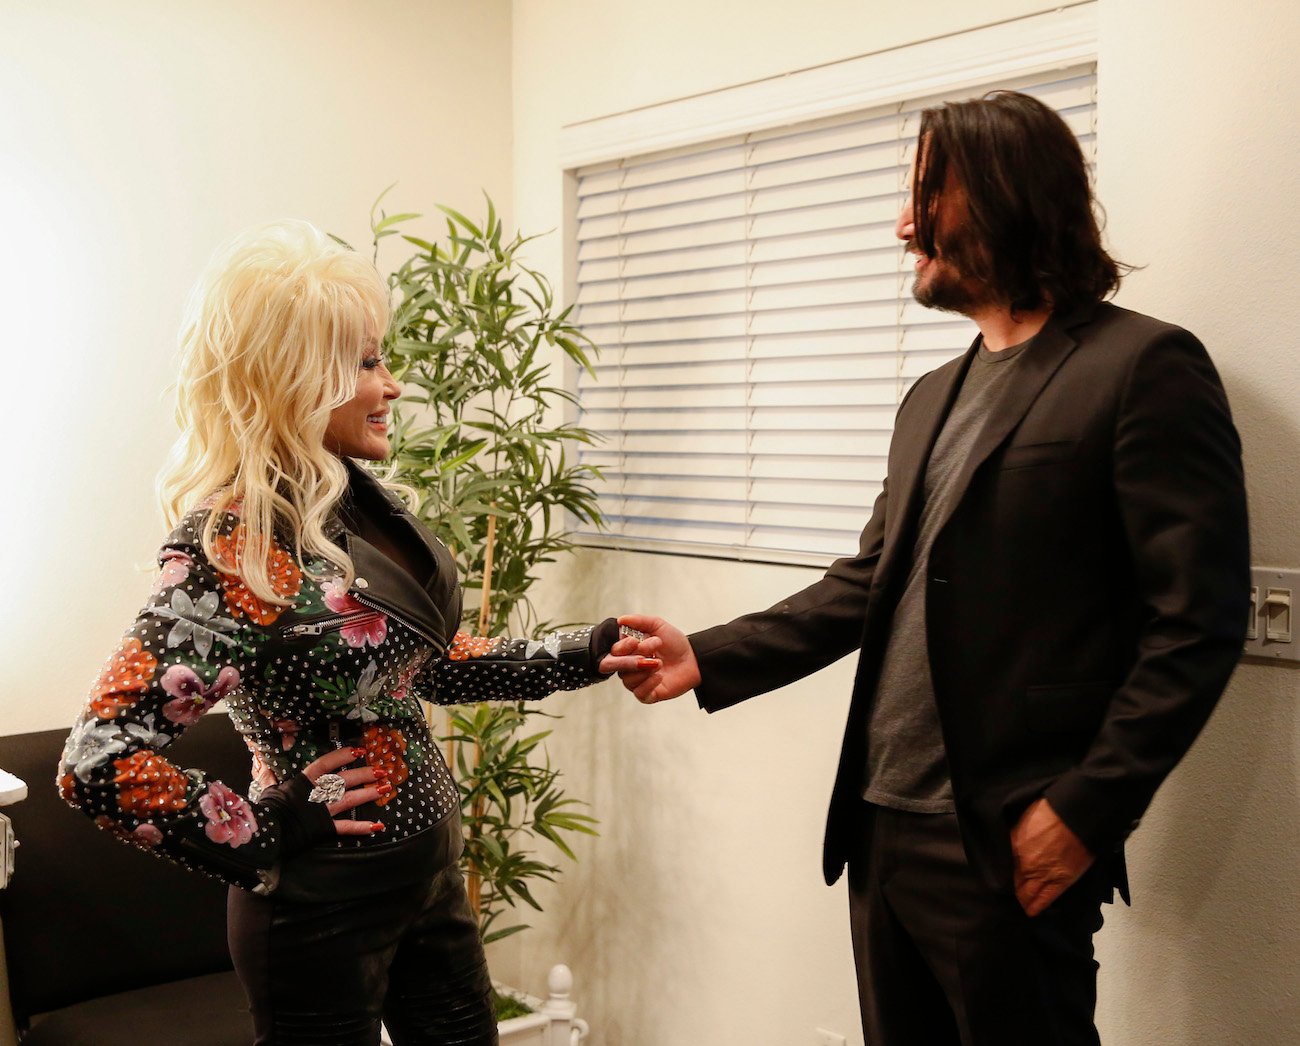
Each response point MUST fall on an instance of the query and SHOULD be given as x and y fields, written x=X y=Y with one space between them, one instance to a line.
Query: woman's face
x=359 y=428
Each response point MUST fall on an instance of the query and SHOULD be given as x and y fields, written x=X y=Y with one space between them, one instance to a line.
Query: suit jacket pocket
x=1071 y=711
x=1029 y=455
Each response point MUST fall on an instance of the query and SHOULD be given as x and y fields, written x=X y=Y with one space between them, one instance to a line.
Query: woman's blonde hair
x=271 y=343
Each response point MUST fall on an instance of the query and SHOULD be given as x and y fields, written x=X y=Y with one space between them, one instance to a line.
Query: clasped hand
x=1049 y=857
x=665 y=665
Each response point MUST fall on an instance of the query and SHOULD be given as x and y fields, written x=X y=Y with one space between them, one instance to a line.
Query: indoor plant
x=475 y=437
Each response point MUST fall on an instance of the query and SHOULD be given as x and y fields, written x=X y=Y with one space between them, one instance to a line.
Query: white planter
x=553 y=1022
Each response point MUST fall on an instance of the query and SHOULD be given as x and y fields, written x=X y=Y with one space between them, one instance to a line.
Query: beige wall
x=134 y=137
x=700 y=917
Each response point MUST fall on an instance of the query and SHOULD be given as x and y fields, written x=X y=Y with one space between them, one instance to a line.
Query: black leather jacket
x=339 y=666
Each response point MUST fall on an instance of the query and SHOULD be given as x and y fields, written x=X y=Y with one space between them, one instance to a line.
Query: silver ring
x=329 y=789
x=627 y=632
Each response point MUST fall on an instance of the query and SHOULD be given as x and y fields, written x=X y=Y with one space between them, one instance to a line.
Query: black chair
x=106 y=945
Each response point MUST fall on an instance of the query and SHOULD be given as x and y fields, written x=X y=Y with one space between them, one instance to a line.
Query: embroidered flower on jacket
x=372 y=629
x=386 y=749
x=148 y=784
x=369 y=688
x=91 y=744
x=464 y=646
x=230 y=818
x=124 y=680
x=190 y=696
x=286 y=578
x=175 y=569
x=145 y=734
x=198 y=621
x=405 y=677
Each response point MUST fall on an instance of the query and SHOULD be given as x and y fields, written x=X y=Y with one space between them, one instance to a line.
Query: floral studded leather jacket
x=339 y=666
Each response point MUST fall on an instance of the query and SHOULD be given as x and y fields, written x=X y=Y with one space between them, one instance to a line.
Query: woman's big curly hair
x=271 y=343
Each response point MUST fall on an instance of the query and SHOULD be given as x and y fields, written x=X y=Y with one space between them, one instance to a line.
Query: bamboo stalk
x=428 y=709
x=484 y=612
x=475 y=884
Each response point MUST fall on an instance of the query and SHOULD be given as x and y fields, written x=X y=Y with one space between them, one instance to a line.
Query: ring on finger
x=329 y=788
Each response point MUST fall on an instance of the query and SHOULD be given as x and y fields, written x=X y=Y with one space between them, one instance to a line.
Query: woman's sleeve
x=195 y=642
x=475 y=668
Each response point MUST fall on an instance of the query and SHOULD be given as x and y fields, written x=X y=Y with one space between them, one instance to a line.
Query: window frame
x=1041 y=43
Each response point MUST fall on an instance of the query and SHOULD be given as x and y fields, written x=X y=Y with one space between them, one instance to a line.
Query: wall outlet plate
x=1273 y=632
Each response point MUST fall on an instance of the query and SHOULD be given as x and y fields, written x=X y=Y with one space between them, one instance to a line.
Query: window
x=757 y=328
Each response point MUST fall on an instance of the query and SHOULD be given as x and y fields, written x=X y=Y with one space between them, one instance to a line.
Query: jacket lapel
x=1030 y=375
x=383 y=582
x=912 y=443
x=389 y=584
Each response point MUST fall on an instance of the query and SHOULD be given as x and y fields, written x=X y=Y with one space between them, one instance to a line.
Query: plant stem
x=485 y=611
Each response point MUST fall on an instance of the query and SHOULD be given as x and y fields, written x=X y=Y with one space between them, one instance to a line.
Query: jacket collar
x=378 y=579
x=1051 y=346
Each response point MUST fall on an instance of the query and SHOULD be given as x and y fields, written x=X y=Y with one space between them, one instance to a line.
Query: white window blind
x=757 y=329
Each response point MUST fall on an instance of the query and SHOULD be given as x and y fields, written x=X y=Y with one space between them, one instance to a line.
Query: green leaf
x=497 y=935
x=461 y=220
x=394 y=219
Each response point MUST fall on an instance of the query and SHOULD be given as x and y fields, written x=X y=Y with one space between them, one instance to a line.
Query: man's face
x=944 y=281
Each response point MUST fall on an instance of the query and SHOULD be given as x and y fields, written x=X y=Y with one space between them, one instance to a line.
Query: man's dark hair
x=1029 y=203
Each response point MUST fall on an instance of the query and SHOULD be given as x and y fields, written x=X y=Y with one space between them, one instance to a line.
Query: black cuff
x=603 y=638
x=302 y=822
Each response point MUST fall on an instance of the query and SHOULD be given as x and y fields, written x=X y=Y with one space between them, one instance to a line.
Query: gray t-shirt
x=907 y=767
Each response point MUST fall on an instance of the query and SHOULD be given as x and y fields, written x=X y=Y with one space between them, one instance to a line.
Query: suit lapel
x=929 y=403
x=1030 y=375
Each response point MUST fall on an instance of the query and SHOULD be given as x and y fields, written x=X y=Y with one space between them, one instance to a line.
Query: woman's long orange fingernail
x=383 y=788
x=649 y=662
x=376 y=826
x=379 y=771
x=358 y=752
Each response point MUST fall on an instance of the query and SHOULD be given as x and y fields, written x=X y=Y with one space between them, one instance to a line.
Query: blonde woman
x=297 y=588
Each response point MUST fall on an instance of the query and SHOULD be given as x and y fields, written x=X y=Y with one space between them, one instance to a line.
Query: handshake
x=652 y=658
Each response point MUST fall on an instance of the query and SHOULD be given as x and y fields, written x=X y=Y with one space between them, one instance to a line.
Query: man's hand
x=1049 y=857
x=677 y=671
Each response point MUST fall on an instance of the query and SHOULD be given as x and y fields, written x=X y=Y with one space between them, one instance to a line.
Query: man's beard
x=949 y=285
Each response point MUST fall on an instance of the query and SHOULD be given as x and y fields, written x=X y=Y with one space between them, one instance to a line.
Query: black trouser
x=325 y=974
x=943 y=959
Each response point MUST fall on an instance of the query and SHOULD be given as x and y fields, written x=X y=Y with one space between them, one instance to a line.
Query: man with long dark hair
x=1048 y=600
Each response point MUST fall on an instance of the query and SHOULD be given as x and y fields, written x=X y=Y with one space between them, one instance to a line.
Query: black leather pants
x=326 y=974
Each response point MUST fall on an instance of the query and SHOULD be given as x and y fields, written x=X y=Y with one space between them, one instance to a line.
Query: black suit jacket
x=1087 y=595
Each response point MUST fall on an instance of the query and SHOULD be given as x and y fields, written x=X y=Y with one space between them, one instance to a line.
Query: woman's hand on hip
x=363 y=785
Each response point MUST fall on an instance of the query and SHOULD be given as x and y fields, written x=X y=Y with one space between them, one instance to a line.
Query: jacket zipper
x=438 y=645
x=331 y=624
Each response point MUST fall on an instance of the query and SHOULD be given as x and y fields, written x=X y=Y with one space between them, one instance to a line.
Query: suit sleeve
x=798 y=636
x=192 y=644
x=478 y=668
x=1181 y=493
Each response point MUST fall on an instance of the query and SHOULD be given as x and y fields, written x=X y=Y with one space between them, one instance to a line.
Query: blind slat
x=757 y=327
